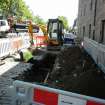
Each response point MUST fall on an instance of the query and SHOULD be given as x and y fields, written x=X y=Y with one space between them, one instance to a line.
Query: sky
x=53 y=8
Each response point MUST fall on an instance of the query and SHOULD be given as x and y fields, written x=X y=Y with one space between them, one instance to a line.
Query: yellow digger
x=55 y=34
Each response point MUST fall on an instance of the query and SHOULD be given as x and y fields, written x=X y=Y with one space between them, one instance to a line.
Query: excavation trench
x=71 y=70
x=38 y=74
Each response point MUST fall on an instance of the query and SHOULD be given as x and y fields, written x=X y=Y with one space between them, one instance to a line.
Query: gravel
x=6 y=79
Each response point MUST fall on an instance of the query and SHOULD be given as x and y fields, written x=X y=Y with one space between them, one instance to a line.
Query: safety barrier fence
x=14 y=35
x=15 y=42
x=23 y=93
x=39 y=41
x=97 y=51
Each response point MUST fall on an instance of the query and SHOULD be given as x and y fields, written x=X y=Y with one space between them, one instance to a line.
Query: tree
x=19 y=9
x=8 y=7
x=23 y=11
x=65 y=21
x=16 y=8
x=38 y=20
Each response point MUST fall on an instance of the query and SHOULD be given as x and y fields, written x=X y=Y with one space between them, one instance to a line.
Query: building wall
x=99 y=18
x=91 y=16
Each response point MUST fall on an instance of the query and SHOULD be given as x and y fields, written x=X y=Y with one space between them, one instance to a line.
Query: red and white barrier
x=39 y=41
x=13 y=44
x=31 y=94
x=19 y=41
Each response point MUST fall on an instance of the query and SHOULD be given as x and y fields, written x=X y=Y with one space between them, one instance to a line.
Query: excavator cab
x=55 y=33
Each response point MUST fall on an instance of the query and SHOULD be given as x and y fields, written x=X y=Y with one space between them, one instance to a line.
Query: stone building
x=91 y=19
x=91 y=28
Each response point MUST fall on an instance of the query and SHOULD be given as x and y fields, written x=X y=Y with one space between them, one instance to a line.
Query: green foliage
x=23 y=11
x=8 y=7
x=38 y=20
x=16 y=8
x=19 y=9
x=65 y=21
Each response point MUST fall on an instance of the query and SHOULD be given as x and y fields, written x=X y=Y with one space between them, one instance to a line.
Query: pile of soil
x=75 y=71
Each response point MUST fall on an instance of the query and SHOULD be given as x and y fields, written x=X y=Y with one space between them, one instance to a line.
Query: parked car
x=4 y=28
x=69 y=38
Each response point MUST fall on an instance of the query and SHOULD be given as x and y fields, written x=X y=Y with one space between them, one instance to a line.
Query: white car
x=4 y=27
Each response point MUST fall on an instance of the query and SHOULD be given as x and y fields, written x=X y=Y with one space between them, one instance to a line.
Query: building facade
x=91 y=28
x=91 y=20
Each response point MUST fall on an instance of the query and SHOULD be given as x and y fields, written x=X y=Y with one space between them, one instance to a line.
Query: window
x=91 y=4
x=102 y=34
x=84 y=11
x=83 y=31
x=80 y=31
x=2 y=23
x=89 y=30
x=81 y=12
x=93 y=34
